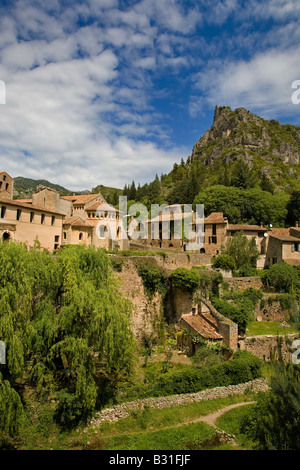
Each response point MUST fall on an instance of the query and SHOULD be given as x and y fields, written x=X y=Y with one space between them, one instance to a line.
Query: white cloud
x=262 y=84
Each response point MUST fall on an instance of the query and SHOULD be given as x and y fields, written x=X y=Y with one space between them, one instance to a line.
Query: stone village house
x=54 y=220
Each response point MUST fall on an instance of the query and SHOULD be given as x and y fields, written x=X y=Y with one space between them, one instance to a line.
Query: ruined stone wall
x=147 y=314
x=262 y=346
x=242 y=283
x=267 y=311
x=226 y=328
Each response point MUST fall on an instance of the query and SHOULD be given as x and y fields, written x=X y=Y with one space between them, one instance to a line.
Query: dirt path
x=212 y=418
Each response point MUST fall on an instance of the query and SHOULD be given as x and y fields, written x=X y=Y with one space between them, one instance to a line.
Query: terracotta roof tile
x=201 y=326
x=80 y=198
x=245 y=227
x=215 y=218
x=76 y=221
x=283 y=234
x=102 y=206
x=293 y=262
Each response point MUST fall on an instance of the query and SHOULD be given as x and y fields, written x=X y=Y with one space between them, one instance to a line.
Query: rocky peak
x=240 y=134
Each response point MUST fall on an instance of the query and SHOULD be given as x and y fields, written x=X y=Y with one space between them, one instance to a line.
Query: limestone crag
x=241 y=134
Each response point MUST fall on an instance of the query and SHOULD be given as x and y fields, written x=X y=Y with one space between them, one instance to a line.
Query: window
x=31 y=216
x=80 y=236
x=4 y=177
x=65 y=235
x=214 y=229
x=6 y=186
x=19 y=212
x=56 y=238
x=42 y=218
x=52 y=220
x=3 y=211
x=102 y=230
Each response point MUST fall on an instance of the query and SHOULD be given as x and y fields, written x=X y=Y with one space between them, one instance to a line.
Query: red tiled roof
x=245 y=227
x=76 y=221
x=80 y=198
x=215 y=218
x=102 y=206
x=292 y=262
x=283 y=234
x=201 y=326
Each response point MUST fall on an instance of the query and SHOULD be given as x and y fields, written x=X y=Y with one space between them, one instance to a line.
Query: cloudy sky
x=107 y=91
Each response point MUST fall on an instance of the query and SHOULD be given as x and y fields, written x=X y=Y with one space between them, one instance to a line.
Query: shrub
x=244 y=367
x=224 y=261
x=185 y=279
x=154 y=278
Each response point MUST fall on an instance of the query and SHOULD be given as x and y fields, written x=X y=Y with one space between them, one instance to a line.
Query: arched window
x=102 y=231
x=5 y=236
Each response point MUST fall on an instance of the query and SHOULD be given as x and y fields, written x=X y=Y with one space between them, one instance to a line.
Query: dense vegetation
x=248 y=181
x=66 y=330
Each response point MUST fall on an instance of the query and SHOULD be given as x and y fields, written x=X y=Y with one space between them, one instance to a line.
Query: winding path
x=212 y=418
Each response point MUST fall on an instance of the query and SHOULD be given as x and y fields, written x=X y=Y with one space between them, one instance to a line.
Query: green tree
x=224 y=261
x=293 y=209
x=64 y=321
x=274 y=424
x=243 y=251
x=281 y=276
x=242 y=176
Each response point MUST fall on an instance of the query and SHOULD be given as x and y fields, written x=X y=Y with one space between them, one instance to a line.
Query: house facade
x=53 y=220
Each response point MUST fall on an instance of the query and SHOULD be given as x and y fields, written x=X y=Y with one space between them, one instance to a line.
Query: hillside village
x=52 y=221
x=234 y=290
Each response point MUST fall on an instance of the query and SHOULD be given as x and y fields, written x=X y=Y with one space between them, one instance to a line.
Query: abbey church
x=52 y=220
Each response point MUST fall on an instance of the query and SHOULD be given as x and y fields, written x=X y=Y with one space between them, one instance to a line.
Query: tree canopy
x=64 y=323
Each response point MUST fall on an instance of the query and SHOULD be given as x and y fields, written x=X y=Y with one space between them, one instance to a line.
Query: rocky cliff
x=266 y=146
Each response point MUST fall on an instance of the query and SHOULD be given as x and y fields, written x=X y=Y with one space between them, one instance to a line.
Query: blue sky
x=107 y=91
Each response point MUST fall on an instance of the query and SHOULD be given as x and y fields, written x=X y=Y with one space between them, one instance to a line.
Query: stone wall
x=262 y=346
x=242 y=283
x=171 y=261
x=147 y=314
x=226 y=328
x=271 y=311
x=123 y=411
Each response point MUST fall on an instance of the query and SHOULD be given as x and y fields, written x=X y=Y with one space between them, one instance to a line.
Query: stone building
x=214 y=233
x=54 y=220
x=28 y=222
x=283 y=244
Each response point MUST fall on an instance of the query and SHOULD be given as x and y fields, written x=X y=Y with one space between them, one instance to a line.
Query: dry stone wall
x=123 y=411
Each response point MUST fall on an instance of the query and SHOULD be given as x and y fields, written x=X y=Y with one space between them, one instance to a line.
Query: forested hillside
x=244 y=166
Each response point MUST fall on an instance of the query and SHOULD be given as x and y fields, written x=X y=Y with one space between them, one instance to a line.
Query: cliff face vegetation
x=270 y=150
x=240 y=150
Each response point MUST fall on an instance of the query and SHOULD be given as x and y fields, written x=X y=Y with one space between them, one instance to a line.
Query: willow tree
x=65 y=325
x=82 y=332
